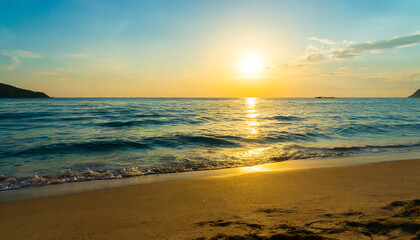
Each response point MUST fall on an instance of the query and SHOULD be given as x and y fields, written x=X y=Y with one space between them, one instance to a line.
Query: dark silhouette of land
x=416 y=94
x=8 y=91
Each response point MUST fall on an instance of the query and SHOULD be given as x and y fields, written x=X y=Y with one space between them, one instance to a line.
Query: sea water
x=47 y=141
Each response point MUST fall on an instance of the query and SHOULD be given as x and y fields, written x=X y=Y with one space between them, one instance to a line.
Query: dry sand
x=373 y=201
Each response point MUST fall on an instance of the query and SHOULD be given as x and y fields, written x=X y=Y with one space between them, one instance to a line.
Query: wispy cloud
x=333 y=51
x=25 y=54
x=14 y=63
x=16 y=56
x=408 y=76
x=78 y=55
x=315 y=71
x=324 y=41
x=412 y=75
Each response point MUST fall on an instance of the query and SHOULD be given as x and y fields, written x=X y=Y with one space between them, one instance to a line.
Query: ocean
x=58 y=140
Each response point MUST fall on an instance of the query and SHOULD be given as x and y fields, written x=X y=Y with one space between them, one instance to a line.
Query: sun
x=251 y=65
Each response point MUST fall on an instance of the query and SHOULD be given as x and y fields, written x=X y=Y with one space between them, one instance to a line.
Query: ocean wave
x=407 y=126
x=397 y=118
x=284 y=118
x=370 y=147
x=132 y=123
x=359 y=128
x=91 y=146
x=206 y=140
x=152 y=115
x=283 y=136
x=169 y=141
x=356 y=129
x=77 y=118
x=303 y=152
x=184 y=140
x=146 y=122
x=23 y=115
x=297 y=152
x=10 y=183
x=284 y=153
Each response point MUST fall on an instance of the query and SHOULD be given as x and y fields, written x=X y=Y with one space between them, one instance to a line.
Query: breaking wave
x=290 y=152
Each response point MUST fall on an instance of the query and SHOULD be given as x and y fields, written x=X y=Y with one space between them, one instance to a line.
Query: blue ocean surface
x=48 y=141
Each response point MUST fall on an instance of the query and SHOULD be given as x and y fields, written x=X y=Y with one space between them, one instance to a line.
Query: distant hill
x=416 y=94
x=8 y=91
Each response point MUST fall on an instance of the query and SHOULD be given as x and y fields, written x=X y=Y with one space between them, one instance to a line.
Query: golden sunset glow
x=207 y=49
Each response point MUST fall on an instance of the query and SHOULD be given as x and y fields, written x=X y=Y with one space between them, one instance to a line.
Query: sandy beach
x=372 y=201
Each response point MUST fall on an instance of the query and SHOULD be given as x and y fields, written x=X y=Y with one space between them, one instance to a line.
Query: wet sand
x=373 y=201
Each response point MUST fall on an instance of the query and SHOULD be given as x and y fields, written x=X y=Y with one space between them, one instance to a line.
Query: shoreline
x=338 y=202
x=50 y=190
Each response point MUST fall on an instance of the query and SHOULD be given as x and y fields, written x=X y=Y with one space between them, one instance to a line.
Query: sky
x=211 y=48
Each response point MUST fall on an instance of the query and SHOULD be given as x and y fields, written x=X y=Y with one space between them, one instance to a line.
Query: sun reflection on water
x=252 y=153
x=252 y=115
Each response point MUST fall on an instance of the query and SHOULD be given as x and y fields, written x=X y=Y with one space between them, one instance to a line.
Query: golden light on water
x=252 y=115
x=251 y=102
x=252 y=153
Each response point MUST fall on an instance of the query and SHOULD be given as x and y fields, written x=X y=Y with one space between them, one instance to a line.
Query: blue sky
x=191 y=48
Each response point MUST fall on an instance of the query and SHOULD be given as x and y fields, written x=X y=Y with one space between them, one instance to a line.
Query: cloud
x=291 y=65
x=324 y=41
x=408 y=76
x=48 y=74
x=25 y=54
x=316 y=57
x=412 y=75
x=16 y=56
x=15 y=62
x=346 y=50
x=313 y=71
x=78 y=55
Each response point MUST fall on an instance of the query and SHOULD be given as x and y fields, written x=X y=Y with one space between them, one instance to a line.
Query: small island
x=8 y=91
x=324 y=97
x=416 y=94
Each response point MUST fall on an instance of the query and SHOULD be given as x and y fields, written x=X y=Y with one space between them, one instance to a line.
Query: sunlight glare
x=251 y=65
x=252 y=115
